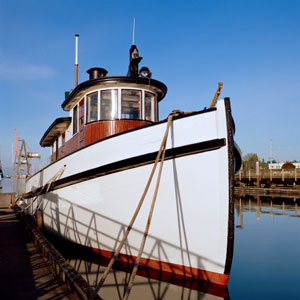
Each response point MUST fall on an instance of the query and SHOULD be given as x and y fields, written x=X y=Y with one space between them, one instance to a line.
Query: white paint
x=190 y=220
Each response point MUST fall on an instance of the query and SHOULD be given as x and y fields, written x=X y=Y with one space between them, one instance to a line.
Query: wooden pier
x=268 y=178
x=25 y=274
x=30 y=267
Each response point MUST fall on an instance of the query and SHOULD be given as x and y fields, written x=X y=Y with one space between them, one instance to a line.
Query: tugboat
x=96 y=189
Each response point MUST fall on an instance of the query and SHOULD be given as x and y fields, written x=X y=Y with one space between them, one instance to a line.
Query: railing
x=268 y=175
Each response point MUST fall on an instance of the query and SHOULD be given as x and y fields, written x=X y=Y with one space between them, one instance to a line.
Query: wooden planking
x=99 y=130
x=94 y=132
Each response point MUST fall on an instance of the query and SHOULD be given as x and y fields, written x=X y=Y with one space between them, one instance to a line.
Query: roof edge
x=66 y=120
x=117 y=79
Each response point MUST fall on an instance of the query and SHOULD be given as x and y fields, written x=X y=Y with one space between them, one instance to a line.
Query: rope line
x=47 y=185
x=162 y=149
x=133 y=274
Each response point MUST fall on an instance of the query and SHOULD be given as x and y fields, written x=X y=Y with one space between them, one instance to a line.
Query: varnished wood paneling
x=96 y=131
x=103 y=129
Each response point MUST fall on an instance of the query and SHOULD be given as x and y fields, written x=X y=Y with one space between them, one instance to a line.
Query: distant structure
x=22 y=164
x=276 y=166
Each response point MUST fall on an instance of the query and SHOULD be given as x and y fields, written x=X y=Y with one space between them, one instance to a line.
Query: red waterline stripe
x=197 y=279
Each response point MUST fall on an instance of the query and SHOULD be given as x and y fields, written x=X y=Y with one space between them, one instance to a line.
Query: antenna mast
x=133 y=31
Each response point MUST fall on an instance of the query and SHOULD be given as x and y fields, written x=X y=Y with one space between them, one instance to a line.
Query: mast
x=76 y=59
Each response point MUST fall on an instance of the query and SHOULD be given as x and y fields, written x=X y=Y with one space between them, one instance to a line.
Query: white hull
x=192 y=224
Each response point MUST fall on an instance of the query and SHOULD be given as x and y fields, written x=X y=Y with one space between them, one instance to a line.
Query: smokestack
x=96 y=73
x=76 y=59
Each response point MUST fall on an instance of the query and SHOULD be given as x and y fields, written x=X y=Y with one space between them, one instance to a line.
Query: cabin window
x=75 y=113
x=81 y=113
x=131 y=104
x=109 y=104
x=150 y=107
x=92 y=107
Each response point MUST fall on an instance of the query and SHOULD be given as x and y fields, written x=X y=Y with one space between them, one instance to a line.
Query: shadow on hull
x=91 y=265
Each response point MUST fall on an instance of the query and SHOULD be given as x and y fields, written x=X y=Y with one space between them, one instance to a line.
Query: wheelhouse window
x=92 y=107
x=81 y=113
x=131 y=104
x=150 y=107
x=109 y=104
x=75 y=121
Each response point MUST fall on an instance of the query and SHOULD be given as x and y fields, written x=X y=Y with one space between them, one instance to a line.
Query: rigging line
x=136 y=264
x=117 y=252
x=47 y=185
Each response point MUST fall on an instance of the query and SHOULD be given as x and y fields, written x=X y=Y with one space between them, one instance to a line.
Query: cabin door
x=81 y=123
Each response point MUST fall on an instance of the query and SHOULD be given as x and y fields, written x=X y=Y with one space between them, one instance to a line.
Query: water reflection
x=265 y=205
x=266 y=261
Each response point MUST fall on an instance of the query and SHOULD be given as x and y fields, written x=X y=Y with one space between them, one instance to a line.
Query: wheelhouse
x=104 y=106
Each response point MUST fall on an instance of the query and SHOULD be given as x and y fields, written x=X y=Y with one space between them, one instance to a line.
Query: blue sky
x=253 y=47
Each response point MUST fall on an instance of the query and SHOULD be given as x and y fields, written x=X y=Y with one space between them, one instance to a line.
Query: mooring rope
x=47 y=185
x=162 y=149
x=136 y=264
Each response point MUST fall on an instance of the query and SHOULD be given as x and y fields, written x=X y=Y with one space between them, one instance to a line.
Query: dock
x=30 y=267
x=25 y=274
x=268 y=178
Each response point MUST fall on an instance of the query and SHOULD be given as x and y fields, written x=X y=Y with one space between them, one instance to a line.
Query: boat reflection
x=147 y=285
x=266 y=205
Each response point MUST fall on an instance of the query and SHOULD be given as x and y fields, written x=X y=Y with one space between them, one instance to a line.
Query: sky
x=253 y=47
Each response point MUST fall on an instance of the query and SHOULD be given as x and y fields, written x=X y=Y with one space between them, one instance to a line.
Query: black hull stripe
x=130 y=163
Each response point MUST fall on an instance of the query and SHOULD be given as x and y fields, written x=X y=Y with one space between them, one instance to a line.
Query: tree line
x=250 y=159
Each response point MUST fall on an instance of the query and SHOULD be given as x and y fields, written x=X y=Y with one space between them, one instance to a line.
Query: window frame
x=75 y=119
x=154 y=111
x=140 y=106
x=87 y=112
x=116 y=104
x=118 y=113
